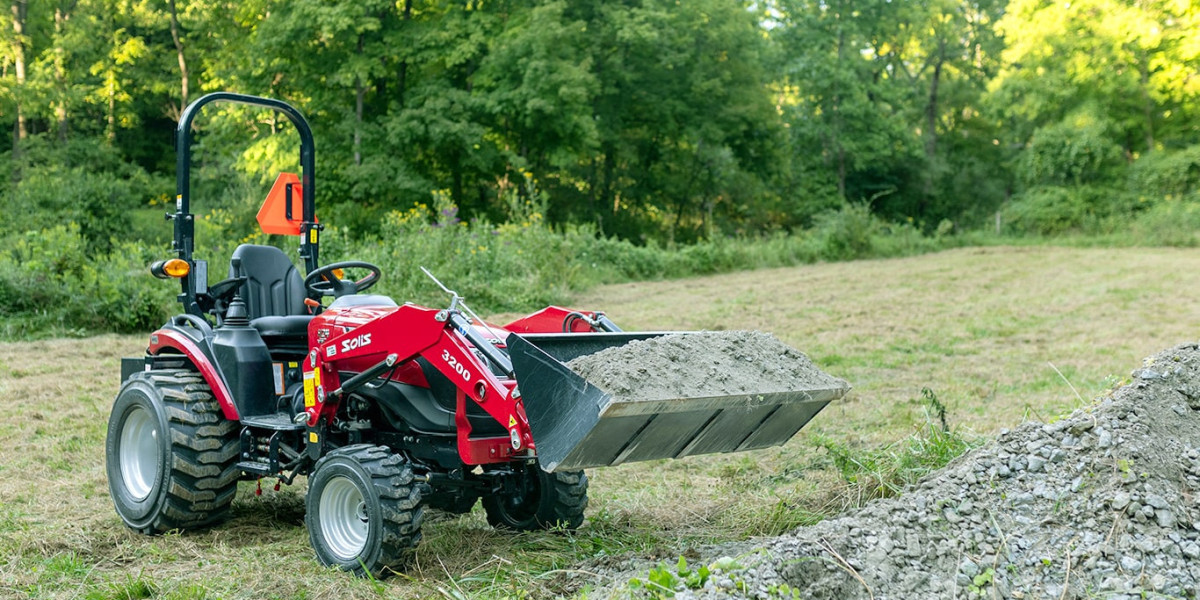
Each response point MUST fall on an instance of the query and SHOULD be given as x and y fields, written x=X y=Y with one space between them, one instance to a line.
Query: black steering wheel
x=323 y=282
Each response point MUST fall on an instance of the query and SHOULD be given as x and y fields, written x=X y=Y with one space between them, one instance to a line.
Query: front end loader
x=387 y=409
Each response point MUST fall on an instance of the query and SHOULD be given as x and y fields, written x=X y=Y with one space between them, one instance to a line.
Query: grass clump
x=132 y=587
x=883 y=472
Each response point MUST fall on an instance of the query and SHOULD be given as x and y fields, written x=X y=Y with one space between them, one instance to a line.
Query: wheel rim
x=343 y=514
x=523 y=507
x=139 y=453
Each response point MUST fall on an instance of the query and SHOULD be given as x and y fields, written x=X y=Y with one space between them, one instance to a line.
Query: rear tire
x=542 y=501
x=364 y=510
x=170 y=453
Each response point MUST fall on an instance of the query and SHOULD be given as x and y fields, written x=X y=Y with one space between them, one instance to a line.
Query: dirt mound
x=1105 y=502
x=710 y=363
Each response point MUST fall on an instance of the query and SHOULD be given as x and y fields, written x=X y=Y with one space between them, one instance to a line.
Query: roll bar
x=185 y=229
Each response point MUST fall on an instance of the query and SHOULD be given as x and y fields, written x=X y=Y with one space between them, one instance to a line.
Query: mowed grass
x=1000 y=335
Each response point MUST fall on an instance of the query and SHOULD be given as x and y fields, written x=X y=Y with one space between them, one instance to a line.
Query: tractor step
x=273 y=422
x=260 y=469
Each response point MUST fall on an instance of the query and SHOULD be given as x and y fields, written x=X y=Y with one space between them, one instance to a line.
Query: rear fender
x=171 y=339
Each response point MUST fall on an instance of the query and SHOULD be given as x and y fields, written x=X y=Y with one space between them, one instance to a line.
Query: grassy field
x=1000 y=335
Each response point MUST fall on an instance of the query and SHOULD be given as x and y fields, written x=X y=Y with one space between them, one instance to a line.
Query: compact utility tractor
x=386 y=408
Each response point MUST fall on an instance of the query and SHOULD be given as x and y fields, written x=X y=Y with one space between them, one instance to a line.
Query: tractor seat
x=274 y=295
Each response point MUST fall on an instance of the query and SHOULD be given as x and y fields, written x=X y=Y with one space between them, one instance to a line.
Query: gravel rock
x=708 y=363
x=1105 y=501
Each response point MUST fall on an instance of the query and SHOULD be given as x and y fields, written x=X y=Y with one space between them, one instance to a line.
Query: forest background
x=528 y=150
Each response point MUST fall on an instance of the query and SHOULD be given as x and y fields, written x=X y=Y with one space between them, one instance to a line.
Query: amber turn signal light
x=175 y=267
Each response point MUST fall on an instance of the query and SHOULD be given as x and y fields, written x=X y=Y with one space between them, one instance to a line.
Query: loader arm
x=443 y=338
x=556 y=415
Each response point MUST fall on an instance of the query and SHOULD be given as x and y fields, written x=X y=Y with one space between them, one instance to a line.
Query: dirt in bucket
x=707 y=363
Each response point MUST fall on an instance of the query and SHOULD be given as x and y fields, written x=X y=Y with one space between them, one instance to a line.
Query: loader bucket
x=577 y=424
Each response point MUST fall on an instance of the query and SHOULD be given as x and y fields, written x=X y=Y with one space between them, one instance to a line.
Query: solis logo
x=356 y=342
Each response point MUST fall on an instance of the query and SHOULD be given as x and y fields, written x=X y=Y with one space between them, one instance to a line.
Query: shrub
x=1054 y=210
x=82 y=182
x=504 y=267
x=1174 y=222
x=1075 y=151
x=1165 y=174
x=847 y=233
x=51 y=285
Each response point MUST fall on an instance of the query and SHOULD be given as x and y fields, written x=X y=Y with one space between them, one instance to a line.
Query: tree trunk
x=19 y=9
x=931 y=113
x=380 y=104
x=183 y=69
x=456 y=182
x=931 y=119
x=1148 y=102
x=607 y=193
x=359 y=93
x=402 y=75
x=60 y=72
x=111 y=131
x=836 y=133
x=841 y=172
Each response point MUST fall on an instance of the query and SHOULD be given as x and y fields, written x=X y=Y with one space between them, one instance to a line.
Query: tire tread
x=204 y=448
x=400 y=496
x=562 y=504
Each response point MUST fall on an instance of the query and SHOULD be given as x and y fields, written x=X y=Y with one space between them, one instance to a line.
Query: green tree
x=1118 y=60
x=844 y=110
x=684 y=122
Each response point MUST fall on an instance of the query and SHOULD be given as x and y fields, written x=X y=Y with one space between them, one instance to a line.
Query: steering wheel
x=323 y=282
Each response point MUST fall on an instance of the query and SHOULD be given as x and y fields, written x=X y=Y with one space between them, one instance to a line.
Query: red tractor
x=385 y=408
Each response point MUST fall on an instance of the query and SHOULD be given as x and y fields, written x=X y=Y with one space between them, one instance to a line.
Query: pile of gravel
x=1103 y=503
x=708 y=363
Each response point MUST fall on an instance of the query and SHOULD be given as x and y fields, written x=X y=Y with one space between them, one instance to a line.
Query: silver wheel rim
x=139 y=453
x=343 y=516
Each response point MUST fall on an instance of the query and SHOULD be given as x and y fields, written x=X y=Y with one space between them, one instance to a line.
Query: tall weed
x=883 y=472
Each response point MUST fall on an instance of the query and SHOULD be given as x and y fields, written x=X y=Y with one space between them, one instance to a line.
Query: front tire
x=539 y=500
x=170 y=453
x=364 y=510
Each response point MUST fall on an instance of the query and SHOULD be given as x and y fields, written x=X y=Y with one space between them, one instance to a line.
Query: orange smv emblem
x=273 y=215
